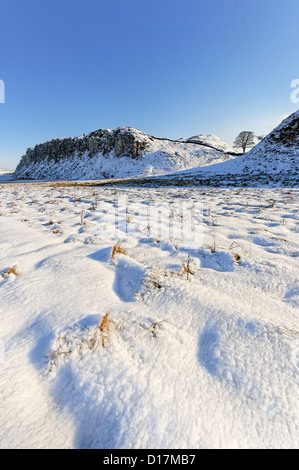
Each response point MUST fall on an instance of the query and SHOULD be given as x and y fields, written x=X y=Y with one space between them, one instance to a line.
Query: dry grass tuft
x=187 y=267
x=117 y=249
x=105 y=328
x=154 y=279
x=12 y=270
x=213 y=246
x=156 y=283
x=105 y=323
x=237 y=257
x=51 y=222
x=155 y=327
x=101 y=335
x=82 y=341
x=58 y=353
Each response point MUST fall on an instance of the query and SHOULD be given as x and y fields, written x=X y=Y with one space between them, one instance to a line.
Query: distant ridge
x=273 y=162
x=118 y=153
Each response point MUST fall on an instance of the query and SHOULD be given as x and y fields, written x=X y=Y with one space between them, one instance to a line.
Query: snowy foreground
x=169 y=344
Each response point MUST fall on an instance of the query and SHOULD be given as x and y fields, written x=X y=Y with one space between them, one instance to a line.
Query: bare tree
x=244 y=140
x=259 y=137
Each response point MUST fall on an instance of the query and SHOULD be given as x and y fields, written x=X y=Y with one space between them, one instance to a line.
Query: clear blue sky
x=171 y=68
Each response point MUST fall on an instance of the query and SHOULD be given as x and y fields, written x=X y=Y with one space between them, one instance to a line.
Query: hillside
x=211 y=140
x=274 y=161
x=118 y=153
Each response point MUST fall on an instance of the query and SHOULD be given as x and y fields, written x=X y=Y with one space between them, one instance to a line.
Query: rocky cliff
x=109 y=153
x=123 y=141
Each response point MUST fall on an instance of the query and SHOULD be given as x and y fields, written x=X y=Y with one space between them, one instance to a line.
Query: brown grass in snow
x=117 y=249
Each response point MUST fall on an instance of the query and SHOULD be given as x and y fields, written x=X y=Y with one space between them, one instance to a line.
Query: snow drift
x=209 y=361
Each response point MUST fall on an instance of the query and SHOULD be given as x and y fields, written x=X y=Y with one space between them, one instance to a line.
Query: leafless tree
x=244 y=140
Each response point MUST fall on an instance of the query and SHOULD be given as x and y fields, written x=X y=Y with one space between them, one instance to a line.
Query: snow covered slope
x=211 y=140
x=278 y=152
x=116 y=153
x=274 y=161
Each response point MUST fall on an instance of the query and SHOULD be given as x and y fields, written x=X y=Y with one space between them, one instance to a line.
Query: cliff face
x=283 y=140
x=114 y=153
x=123 y=141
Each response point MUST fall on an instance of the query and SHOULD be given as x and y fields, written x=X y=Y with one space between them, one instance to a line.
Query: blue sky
x=171 y=68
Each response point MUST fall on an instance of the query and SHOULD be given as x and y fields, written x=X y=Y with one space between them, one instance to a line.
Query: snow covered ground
x=170 y=344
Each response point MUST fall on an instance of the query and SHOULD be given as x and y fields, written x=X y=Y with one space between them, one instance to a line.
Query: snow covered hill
x=211 y=140
x=274 y=161
x=278 y=152
x=198 y=160
x=118 y=153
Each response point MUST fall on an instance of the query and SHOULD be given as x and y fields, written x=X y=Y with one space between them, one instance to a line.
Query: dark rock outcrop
x=124 y=141
x=121 y=152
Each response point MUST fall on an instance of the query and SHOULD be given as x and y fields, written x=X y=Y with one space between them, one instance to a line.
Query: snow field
x=200 y=345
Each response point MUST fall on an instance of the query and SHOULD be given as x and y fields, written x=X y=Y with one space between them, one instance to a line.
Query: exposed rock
x=114 y=153
x=287 y=135
x=123 y=141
